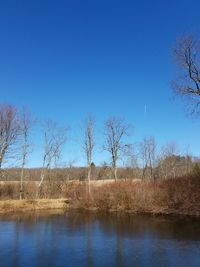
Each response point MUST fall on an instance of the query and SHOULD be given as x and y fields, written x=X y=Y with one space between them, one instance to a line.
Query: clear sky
x=63 y=59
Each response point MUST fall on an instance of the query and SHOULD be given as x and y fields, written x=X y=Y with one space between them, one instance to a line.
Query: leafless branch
x=187 y=57
x=115 y=130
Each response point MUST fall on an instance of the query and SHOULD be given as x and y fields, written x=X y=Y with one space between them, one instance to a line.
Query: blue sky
x=64 y=59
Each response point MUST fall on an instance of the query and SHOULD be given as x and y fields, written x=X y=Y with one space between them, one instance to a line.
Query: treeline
x=140 y=161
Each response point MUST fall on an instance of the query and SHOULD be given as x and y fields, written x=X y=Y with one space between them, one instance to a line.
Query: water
x=89 y=239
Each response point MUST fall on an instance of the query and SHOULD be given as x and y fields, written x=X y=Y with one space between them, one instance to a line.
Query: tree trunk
x=40 y=183
x=21 y=193
x=115 y=173
x=1 y=175
x=88 y=180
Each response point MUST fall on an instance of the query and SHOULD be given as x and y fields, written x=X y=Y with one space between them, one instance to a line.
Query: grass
x=7 y=206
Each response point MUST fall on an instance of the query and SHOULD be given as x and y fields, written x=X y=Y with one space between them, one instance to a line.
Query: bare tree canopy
x=169 y=158
x=88 y=145
x=9 y=131
x=25 y=127
x=187 y=57
x=148 y=155
x=115 y=130
x=54 y=140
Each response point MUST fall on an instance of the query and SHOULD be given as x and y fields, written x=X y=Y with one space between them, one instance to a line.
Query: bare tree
x=131 y=157
x=169 y=160
x=9 y=132
x=187 y=57
x=88 y=146
x=25 y=126
x=54 y=140
x=148 y=154
x=115 y=130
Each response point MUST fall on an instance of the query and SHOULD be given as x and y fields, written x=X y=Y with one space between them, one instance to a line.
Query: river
x=55 y=239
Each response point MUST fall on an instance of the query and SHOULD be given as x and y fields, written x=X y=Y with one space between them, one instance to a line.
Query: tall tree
x=88 y=146
x=148 y=154
x=115 y=129
x=9 y=131
x=54 y=140
x=25 y=127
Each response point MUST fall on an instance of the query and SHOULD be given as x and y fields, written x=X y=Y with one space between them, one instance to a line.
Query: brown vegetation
x=172 y=196
x=8 y=206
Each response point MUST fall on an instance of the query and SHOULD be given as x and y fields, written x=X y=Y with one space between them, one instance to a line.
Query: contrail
x=145 y=111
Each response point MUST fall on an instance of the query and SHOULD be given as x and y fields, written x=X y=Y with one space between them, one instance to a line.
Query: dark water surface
x=89 y=239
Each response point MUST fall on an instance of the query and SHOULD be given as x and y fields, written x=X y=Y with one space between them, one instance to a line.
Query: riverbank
x=16 y=206
x=12 y=206
x=177 y=196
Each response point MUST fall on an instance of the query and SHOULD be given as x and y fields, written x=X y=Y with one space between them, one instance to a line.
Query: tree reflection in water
x=96 y=239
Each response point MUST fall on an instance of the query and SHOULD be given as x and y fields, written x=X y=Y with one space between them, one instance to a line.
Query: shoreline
x=16 y=206
x=12 y=206
x=174 y=197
